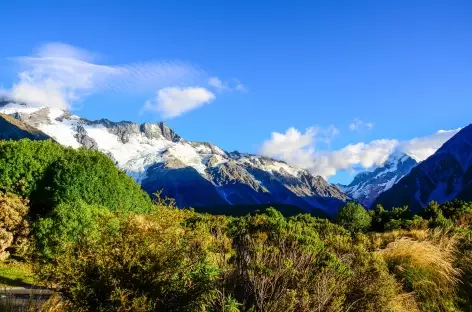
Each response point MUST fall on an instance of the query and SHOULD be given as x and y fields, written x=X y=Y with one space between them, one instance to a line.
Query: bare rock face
x=83 y=138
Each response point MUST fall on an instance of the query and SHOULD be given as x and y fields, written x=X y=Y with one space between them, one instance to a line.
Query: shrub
x=140 y=263
x=354 y=217
x=282 y=265
x=14 y=225
x=49 y=174
x=66 y=225
x=91 y=177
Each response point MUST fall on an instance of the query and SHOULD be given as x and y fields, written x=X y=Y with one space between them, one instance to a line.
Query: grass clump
x=426 y=268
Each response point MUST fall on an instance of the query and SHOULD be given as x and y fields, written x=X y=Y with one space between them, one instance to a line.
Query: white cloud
x=358 y=125
x=174 y=101
x=300 y=150
x=59 y=75
x=296 y=148
x=46 y=94
x=366 y=155
x=221 y=86
x=423 y=147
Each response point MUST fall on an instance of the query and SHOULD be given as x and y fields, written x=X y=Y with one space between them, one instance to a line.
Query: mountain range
x=204 y=176
x=195 y=174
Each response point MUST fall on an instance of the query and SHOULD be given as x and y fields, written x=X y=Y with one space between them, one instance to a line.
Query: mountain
x=367 y=186
x=444 y=176
x=195 y=174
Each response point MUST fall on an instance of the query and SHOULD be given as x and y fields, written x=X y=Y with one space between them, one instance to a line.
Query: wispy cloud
x=60 y=75
x=358 y=125
x=300 y=150
x=173 y=102
x=221 y=86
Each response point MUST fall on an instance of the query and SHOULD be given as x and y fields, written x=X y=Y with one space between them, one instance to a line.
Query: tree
x=24 y=163
x=91 y=177
x=354 y=217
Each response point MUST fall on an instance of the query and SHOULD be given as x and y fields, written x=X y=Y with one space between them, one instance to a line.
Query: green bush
x=66 y=225
x=354 y=217
x=50 y=174
x=91 y=177
x=24 y=163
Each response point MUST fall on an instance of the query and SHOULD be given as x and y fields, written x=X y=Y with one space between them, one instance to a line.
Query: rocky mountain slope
x=194 y=173
x=368 y=185
x=11 y=128
x=444 y=176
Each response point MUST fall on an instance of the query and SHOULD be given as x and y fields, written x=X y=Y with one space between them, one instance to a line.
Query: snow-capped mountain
x=194 y=173
x=444 y=176
x=368 y=185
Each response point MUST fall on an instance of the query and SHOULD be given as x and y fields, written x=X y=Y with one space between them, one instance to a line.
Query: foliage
x=147 y=263
x=66 y=225
x=395 y=219
x=14 y=225
x=282 y=265
x=50 y=174
x=354 y=217
x=24 y=163
x=91 y=177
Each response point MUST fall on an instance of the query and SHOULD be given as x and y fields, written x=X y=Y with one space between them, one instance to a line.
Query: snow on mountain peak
x=367 y=185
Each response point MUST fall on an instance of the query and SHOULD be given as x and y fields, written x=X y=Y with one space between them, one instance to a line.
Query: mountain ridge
x=194 y=173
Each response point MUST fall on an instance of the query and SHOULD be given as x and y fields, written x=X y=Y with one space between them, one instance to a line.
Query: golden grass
x=404 y=302
x=437 y=257
x=425 y=267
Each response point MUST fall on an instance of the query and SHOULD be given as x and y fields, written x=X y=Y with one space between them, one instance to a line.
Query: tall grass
x=426 y=268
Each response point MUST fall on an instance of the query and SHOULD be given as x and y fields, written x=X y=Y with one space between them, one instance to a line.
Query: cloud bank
x=300 y=150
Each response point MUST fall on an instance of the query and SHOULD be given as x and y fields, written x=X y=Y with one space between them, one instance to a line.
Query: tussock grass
x=426 y=267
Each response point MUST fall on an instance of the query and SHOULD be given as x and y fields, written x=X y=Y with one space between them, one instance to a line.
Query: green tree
x=91 y=177
x=24 y=163
x=354 y=217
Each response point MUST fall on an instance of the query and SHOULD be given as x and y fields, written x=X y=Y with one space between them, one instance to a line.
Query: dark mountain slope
x=444 y=176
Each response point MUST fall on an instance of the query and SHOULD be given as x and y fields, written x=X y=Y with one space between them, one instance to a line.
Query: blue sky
x=394 y=70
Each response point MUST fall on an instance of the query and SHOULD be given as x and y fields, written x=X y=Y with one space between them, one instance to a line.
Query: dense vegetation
x=93 y=235
x=49 y=174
